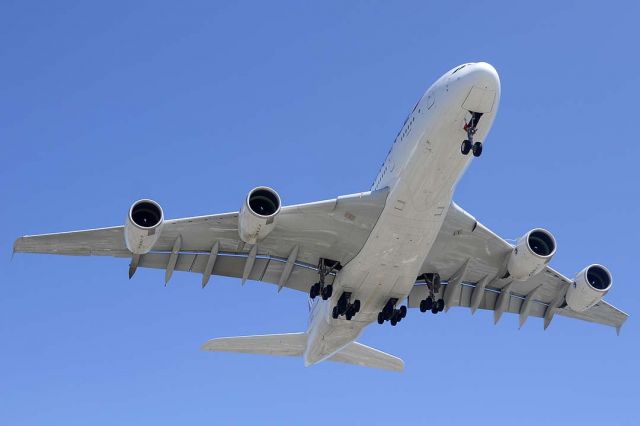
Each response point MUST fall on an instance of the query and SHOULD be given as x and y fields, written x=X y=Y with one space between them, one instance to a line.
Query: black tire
x=440 y=305
x=428 y=303
x=465 y=148
x=403 y=311
x=356 y=306
x=477 y=149
x=380 y=318
x=434 y=310
x=423 y=306
x=387 y=314
x=342 y=305
x=334 y=313
x=312 y=292
x=393 y=322
x=349 y=315
x=329 y=289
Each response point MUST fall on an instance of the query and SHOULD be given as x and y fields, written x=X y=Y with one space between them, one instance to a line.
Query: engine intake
x=143 y=226
x=258 y=214
x=589 y=286
x=531 y=254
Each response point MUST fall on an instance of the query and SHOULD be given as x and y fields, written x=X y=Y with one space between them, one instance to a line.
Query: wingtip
x=14 y=248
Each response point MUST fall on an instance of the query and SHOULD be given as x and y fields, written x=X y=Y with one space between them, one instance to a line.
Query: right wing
x=334 y=229
x=472 y=260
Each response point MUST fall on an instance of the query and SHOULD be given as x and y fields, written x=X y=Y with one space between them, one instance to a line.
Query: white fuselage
x=421 y=171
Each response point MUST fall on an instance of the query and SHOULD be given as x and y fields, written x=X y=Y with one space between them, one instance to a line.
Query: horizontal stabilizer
x=291 y=344
x=366 y=356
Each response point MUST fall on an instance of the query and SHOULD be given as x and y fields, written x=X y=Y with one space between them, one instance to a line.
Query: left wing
x=333 y=229
x=470 y=258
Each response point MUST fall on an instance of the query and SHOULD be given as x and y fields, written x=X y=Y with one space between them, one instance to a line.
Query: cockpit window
x=458 y=69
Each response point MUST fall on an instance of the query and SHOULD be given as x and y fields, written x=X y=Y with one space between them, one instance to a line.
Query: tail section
x=294 y=344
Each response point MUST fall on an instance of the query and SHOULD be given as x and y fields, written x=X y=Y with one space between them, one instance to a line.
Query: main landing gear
x=391 y=314
x=325 y=267
x=430 y=303
x=346 y=307
x=471 y=128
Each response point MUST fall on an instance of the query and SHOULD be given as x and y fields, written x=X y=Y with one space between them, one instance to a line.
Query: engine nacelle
x=143 y=226
x=258 y=214
x=530 y=255
x=590 y=285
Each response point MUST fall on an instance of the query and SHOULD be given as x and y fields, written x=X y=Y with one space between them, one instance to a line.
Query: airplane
x=371 y=256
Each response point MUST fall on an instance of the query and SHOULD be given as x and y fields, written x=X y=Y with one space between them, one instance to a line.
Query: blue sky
x=193 y=104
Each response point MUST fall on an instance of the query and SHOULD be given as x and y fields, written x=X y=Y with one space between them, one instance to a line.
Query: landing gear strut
x=325 y=267
x=430 y=303
x=391 y=314
x=468 y=145
x=346 y=307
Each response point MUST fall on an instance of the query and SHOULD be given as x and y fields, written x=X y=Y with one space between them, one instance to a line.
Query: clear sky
x=193 y=104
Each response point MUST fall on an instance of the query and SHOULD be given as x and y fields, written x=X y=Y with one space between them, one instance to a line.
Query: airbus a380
x=367 y=257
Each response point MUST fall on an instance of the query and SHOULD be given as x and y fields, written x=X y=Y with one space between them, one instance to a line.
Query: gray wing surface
x=333 y=229
x=471 y=259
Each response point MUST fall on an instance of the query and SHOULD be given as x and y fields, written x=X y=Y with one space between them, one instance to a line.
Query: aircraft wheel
x=342 y=305
x=423 y=306
x=393 y=322
x=477 y=149
x=334 y=313
x=434 y=310
x=428 y=303
x=403 y=311
x=314 y=291
x=356 y=306
x=465 y=147
x=326 y=292
x=440 y=305
x=380 y=318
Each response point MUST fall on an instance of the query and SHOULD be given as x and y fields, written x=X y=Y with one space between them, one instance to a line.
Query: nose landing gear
x=391 y=314
x=430 y=303
x=346 y=307
x=468 y=145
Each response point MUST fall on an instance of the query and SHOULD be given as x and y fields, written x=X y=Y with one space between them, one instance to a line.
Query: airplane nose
x=482 y=75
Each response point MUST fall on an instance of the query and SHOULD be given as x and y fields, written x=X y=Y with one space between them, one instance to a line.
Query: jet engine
x=530 y=255
x=258 y=214
x=143 y=226
x=590 y=285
